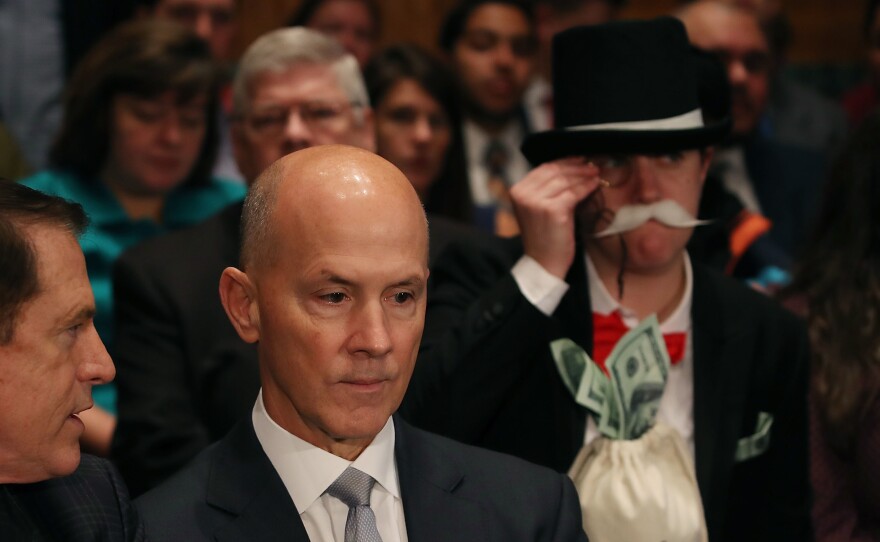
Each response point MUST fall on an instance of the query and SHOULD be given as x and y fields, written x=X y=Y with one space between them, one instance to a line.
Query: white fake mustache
x=667 y=212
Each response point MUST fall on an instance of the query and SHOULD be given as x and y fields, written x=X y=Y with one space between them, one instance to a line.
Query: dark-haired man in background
x=491 y=47
x=50 y=357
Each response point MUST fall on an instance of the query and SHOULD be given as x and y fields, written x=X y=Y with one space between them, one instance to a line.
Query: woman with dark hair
x=416 y=115
x=136 y=148
x=837 y=287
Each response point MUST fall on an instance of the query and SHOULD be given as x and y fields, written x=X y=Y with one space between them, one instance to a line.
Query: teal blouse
x=110 y=232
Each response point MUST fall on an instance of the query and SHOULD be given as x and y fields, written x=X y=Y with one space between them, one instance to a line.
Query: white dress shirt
x=475 y=143
x=545 y=292
x=537 y=100
x=307 y=472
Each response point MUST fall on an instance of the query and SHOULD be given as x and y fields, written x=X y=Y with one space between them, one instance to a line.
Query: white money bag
x=642 y=490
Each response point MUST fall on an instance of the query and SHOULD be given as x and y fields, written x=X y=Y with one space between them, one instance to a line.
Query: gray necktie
x=353 y=488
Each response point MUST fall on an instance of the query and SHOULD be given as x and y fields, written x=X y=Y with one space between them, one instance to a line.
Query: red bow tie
x=609 y=328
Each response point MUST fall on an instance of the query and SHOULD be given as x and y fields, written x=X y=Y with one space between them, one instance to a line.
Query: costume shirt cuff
x=541 y=288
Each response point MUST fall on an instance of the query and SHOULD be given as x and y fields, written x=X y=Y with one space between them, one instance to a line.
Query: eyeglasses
x=616 y=170
x=332 y=117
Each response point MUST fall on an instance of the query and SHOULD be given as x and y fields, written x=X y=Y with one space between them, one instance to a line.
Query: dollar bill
x=571 y=362
x=593 y=389
x=638 y=367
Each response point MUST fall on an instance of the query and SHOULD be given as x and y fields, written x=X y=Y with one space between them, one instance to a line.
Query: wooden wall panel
x=824 y=30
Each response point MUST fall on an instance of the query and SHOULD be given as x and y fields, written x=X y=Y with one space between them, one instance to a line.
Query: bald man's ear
x=238 y=295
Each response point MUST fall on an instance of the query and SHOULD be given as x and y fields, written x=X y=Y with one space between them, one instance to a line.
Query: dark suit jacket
x=183 y=374
x=449 y=491
x=485 y=376
x=89 y=505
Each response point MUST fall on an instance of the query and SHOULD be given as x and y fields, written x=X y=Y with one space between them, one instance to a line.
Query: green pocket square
x=756 y=444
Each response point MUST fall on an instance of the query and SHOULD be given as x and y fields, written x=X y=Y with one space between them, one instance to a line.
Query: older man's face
x=49 y=367
x=736 y=37
x=338 y=311
x=295 y=109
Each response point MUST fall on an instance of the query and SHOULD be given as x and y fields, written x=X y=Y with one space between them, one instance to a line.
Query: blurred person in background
x=837 y=288
x=771 y=172
x=215 y=21
x=491 y=47
x=353 y=23
x=417 y=126
x=552 y=17
x=861 y=100
x=136 y=147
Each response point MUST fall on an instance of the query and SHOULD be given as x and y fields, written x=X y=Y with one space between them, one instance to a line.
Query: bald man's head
x=333 y=291
x=320 y=184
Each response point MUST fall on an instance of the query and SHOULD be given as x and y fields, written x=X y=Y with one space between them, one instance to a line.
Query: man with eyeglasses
x=605 y=218
x=775 y=160
x=184 y=375
x=491 y=47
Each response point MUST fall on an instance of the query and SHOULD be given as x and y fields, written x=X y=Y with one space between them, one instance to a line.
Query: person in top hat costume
x=629 y=135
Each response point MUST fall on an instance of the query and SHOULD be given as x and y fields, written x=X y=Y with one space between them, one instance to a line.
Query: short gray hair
x=256 y=217
x=286 y=48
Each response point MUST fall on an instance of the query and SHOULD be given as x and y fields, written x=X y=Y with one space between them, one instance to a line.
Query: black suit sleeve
x=159 y=429
x=478 y=345
x=782 y=510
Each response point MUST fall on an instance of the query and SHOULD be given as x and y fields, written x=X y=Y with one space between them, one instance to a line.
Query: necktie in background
x=496 y=158
x=609 y=328
x=353 y=488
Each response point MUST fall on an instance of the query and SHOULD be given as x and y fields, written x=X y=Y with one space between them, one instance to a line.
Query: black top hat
x=625 y=87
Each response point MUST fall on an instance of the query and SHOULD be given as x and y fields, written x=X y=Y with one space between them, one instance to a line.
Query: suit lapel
x=428 y=481
x=574 y=313
x=720 y=369
x=243 y=483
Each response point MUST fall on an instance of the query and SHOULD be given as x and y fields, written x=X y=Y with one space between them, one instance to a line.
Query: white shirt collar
x=603 y=303
x=307 y=471
x=475 y=142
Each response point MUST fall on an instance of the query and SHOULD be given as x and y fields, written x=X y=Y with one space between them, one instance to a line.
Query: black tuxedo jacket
x=89 y=505
x=449 y=491
x=485 y=376
x=183 y=374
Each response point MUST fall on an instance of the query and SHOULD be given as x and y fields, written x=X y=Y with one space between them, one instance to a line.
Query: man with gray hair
x=184 y=376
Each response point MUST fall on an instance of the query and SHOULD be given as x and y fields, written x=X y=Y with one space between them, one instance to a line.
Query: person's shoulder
x=219 y=230
x=487 y=470
x=53 y=182
x=92 y=499
x=518 y=499
x=224 y=190
x=191 y=204
x=179 y=497
x=742 y=302
x=480 y=249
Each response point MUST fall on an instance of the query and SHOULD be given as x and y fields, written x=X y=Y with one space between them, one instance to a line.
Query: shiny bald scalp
x=310 y=173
